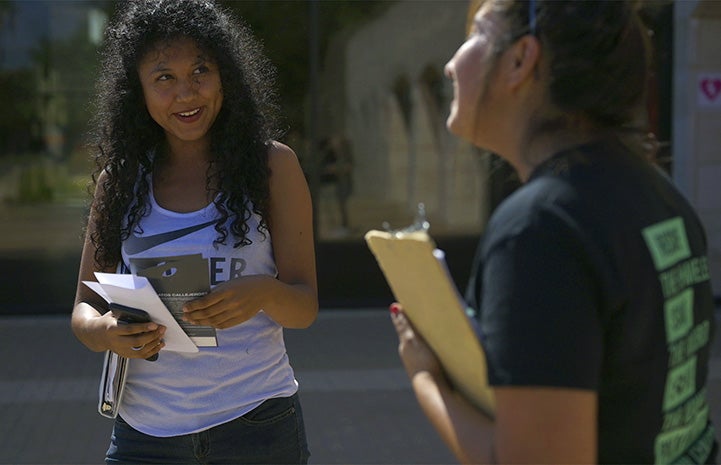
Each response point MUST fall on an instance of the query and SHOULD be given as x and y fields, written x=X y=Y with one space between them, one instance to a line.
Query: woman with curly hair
x=189 y=174
x=591 y=283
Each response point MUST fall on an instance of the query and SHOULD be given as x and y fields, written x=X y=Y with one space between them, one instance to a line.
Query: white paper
x=136 y=291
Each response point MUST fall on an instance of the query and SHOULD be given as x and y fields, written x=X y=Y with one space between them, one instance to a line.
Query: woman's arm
x=532 y=424
x=545 y=425
x=291 y=299
x=467 y=431
x=291 y=227
x=88 y=322
x=91 y=322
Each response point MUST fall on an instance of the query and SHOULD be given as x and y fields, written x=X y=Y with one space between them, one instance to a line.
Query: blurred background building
x=365 y=100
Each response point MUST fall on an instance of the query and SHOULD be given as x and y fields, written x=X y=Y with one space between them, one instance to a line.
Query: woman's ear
x=522 y=60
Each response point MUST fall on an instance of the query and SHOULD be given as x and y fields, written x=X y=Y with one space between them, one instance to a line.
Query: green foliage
x=18 y=114
x=54 y=91
x=75 y=62
x=6 y=10
x=35 y=185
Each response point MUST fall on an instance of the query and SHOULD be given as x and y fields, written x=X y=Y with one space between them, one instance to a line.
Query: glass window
x=48 y=57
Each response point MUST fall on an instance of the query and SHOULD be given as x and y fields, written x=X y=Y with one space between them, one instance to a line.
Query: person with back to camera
x=591 y=283
x=187 y=157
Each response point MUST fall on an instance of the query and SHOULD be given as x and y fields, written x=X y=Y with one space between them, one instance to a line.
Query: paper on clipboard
x=419 y=279
x=136 y=291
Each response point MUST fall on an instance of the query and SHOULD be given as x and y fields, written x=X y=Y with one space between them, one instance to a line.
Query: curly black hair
x=126 y=137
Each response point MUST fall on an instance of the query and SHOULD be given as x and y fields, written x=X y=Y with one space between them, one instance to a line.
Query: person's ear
x=523 y=60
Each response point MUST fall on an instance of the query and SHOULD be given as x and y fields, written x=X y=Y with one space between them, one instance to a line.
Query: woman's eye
x=164 y=77
x=201 y=70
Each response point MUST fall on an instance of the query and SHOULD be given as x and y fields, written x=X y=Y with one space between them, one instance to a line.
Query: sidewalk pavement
x=357 y=401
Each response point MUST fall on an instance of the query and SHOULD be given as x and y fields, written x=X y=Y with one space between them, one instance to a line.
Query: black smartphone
x=127 y=314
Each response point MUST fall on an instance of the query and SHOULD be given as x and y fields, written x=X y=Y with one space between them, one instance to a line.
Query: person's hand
x=230 y=303
x=416 y=355
x=133 y=340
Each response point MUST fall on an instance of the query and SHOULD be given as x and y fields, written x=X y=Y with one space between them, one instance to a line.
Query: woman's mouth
x=187 y=115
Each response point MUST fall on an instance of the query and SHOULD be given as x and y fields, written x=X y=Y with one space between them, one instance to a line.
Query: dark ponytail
x=598 y=52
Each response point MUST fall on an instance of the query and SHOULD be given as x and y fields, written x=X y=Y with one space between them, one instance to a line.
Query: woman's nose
x=448 y=69
x=186 y=89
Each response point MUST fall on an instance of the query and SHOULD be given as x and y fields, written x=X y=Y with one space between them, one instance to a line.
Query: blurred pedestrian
x=338 y=171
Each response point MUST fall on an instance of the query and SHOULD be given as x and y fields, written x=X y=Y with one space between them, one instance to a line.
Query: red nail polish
x=394 y=308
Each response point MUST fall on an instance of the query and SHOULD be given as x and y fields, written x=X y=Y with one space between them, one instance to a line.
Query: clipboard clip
x=420 y=224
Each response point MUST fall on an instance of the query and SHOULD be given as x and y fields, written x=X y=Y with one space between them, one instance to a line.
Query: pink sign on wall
x=709 y=90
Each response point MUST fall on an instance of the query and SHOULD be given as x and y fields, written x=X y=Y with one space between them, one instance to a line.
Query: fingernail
x=394 y=308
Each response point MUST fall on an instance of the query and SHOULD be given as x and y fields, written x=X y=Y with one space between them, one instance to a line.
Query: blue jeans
x=272 y=433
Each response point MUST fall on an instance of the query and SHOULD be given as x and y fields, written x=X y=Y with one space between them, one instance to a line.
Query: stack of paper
x=136 y=291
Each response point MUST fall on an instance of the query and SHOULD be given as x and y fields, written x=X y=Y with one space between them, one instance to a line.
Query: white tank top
x=184 y=393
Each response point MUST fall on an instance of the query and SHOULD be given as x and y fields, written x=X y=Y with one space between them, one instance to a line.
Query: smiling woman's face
x=182 y=89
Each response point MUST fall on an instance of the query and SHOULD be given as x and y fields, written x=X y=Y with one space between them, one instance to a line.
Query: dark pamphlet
x=177 y=280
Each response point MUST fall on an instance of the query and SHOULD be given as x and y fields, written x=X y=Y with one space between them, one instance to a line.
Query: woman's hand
x=466 y=430
x=416 y=355
x=132 y=340
x=105 y=332
x=100 y=332
x=230 y=303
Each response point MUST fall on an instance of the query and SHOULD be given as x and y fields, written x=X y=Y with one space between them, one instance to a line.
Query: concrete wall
x=697 y=116
x=385 y=89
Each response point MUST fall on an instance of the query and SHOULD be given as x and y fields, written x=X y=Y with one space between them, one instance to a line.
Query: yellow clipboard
x=419 y=279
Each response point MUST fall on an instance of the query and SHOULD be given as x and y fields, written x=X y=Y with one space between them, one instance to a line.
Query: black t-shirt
x=594 y=275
